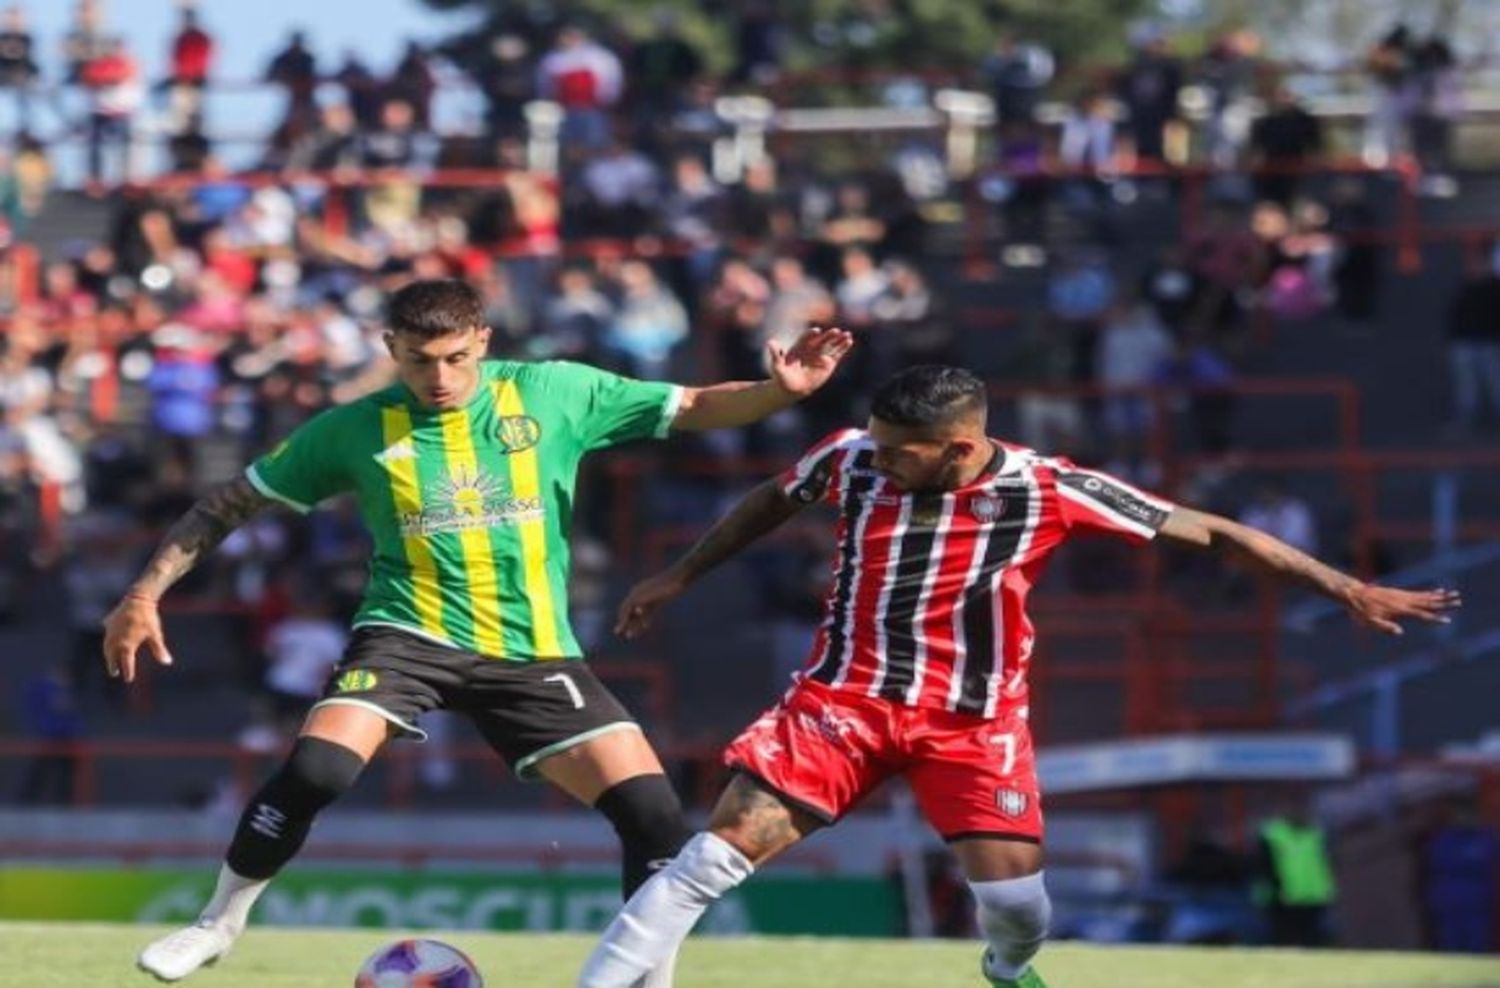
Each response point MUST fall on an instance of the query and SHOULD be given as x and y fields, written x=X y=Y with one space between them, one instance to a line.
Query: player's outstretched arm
x=1381 y=608
x=759 y=512
x=135 y=622
x=796 y=372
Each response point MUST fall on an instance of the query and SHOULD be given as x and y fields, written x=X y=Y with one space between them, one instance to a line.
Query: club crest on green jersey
x=518 y=433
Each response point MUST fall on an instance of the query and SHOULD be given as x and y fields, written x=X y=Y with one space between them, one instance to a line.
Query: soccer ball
x=418 y=964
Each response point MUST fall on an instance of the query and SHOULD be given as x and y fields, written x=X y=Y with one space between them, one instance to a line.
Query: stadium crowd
x=220 y=308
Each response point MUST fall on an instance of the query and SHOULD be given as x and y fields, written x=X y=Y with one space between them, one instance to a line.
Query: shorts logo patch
x=1011 y=802
x=986 y=508
x=518 y=433
x=356 y=681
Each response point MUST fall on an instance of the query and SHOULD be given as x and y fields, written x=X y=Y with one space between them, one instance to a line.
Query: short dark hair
x=930 y=394
x=435 y=308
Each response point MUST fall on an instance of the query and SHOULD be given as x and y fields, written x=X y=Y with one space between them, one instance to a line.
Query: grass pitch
x=37 y=955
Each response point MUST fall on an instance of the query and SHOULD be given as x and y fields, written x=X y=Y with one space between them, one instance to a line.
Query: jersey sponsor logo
x=1116 y=498
x=518 y=433
x=469 y=498
x=1011 y=802
x=986 y=508
x=356 y=681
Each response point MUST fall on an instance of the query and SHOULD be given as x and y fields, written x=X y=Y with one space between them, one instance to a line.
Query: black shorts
x=527 y=711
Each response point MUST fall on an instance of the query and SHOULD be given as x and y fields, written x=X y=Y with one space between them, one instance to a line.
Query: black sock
x=647 y=816
x=278 y=817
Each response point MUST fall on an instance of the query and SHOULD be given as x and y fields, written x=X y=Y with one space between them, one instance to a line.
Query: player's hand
x=807 y=364
x=133 y=624
x=1383 y=608
x=644 y=600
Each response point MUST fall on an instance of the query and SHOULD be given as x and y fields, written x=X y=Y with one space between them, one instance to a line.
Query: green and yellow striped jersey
x=469 y=508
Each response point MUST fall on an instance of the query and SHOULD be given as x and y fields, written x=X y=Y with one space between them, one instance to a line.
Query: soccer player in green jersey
x=464 y=473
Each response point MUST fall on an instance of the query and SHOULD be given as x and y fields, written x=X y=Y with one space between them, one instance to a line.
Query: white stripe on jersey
x=929 y=580
x=856 y=567
x=960 y=640
x=1023 y=546
x=883 y=603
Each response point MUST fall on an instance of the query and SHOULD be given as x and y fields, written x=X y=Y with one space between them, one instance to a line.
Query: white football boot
x=177 y=955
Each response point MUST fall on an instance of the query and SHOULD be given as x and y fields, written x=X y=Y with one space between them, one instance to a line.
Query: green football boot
x=1030 y=979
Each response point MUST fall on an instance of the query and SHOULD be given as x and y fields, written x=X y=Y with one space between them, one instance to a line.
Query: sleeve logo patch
x=518 y=433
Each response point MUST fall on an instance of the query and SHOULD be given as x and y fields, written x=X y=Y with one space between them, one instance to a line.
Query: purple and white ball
x=418 y=964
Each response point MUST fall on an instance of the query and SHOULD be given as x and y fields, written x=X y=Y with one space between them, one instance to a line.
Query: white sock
x=233 y=897
x=1013 y=915
x=662 y=912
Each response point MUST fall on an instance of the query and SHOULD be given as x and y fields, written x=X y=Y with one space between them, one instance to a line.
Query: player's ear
x=390 y=341
x=482 y=335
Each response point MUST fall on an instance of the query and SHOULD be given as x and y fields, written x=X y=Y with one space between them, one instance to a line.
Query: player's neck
x=985 y=459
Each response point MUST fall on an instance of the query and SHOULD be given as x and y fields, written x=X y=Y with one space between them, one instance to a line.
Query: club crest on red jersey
x=986 y=508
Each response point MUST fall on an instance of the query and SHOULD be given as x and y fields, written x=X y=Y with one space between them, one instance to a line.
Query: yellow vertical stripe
x=524 y=477
x=406 y=491
x=479 y=554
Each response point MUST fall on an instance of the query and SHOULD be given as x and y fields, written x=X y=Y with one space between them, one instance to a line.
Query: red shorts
x=823 y=750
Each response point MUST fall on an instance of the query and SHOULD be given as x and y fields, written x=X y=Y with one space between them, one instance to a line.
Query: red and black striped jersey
x=928 y=603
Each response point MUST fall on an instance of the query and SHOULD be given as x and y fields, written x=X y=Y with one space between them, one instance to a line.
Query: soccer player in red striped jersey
x=919 y=667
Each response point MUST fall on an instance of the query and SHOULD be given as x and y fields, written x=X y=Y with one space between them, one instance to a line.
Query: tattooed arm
x=1373 y=606
x=761 y=511
x=135 y=621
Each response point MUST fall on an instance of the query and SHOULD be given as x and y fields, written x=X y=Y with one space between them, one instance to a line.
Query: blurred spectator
x=1391 y=66
x=1283 y=515
x=1229 y=72
x=1047 y=418
x=183 y=383
x=575 y=319
x=693 y=214
x=332 y=146
x=1170 y=287
x=907 y=314
x=797 y=302
x=661 y=69
x=414 y=83
x=1149 y=88
x=363 y=92
x=301 y=652
x=1459 y=863
x=1297 y=886
x=1015 y=74
x=1080 y=292
x=736 y=306
x=1437 y=103
x=1474 y=343
x=1285 y=139
x=1088 y=134
x=295 y=70
x=1202 y=376
x=586 y=79
x=85 y=40
x=192 y=61
x=1133 y=346
x=649 y=324
x=49 y=713
x=399 y=142
x=757 y=42
x=507 y=80
x=1228 y=262
x=115 y=91
x=623 y=187
x=18 y=68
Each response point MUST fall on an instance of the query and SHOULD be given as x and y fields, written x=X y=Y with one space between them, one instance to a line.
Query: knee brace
x=647 y=816
x=1014 y=914
x=278 y=817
